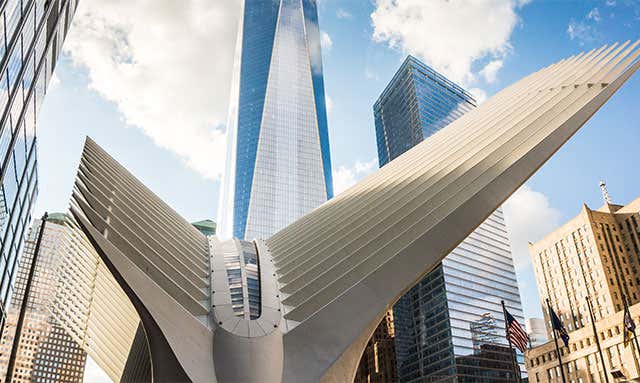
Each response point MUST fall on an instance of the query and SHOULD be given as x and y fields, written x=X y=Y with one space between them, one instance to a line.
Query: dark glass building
x=449 y=327
x=32 y=32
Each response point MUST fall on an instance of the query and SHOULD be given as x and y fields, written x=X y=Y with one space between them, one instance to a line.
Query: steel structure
x=326 y=279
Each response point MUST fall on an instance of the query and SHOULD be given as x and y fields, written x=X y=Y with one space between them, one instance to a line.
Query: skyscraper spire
x=605 y=194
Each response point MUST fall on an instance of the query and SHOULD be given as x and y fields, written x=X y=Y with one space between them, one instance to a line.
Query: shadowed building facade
x=278 y=164
x=596 y=255
x=46 y=351
x=31 y=37
x=327 y=280
x=438 y=320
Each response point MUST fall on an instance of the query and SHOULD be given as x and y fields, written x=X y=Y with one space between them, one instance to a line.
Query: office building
x=378 y=362
x=328 y=279
x=46 y=352
x=454 y=314
x=537 y=331
x=595 y=255
x=278 y=165
x=75 y=308
x=31 y=34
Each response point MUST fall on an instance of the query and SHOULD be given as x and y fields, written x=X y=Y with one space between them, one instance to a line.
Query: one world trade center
x=278 y=165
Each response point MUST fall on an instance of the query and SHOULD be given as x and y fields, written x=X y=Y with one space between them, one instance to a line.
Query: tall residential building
x=31 y=36
x=278 y=165
x=450 y=326
x=595 y=255
x=46 y=351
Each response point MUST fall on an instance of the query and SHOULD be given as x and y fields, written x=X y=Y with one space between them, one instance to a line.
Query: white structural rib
x=160 y=261
x=343 y=264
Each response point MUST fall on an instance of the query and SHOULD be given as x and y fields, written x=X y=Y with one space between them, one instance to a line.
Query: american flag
x=515 y=332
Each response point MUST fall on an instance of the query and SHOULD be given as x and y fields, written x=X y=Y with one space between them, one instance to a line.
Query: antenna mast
x=605 y=194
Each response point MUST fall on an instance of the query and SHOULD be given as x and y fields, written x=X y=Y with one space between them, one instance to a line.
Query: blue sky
x=152 y=87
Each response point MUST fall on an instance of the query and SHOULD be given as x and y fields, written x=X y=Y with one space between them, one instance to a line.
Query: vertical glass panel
x=9 y=183
x=258 y=30
x=4 y=92
x=30 y=122
x=40 y=90
x=13 y=11
x=5 y=141
x=28 y=31
x=3 y=41
x=19 y=151
x=29 y=72
x=15 y=62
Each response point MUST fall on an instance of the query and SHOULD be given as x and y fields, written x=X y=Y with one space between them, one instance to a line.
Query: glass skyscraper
x=32 y=32
x=450 y=326
x=278 y=163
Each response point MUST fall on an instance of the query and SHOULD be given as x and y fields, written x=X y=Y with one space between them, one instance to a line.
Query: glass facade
x=278 y=165
x=46 y=351
x=243 y=276
x=31 y=33
x=450 y=326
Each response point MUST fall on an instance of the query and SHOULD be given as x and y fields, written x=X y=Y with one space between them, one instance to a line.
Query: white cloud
x=479 y=94
x=347 y=176
x=329 y=103
x=490 y=71
x=610 y=3
x=94 y=374
x=594 y=15
x=325 y=41
x=581 y=32
x=369 y=74
x=446 y=33
x=529 y=218
x=166 y=65
x=343 y=14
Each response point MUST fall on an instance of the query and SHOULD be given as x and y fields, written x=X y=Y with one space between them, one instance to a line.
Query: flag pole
x=25 y=301
x=555 y=340
x=635 y=337
x=516 y=368
x=595 y=333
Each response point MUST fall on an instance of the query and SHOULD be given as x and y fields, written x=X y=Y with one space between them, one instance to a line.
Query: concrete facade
x=597 y=255
x=327 y=280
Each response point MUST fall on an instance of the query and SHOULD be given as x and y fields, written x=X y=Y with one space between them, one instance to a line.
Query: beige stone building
x=595 y=255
